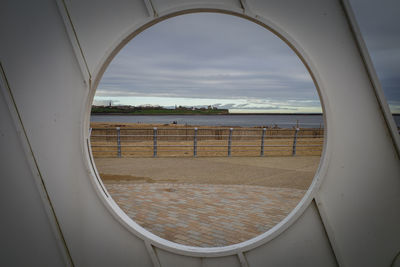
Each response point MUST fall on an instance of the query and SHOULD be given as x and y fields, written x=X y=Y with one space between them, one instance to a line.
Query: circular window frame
x=154 y=240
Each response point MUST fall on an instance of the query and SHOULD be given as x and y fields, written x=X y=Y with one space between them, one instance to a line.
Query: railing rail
x=133 y=142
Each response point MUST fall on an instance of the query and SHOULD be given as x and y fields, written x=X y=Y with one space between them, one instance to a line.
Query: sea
x=281 y=120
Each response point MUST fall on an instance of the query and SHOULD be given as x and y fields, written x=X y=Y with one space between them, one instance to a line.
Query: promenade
x=205 y=215
x=207 y=202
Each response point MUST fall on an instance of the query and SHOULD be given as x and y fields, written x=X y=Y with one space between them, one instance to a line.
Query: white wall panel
x=168 y=259
x=100 y=25
x=230 y=261
x=357 y=187
x=303 y=244
x=25 y=226
x=363 y=162
x=50 y=98
x=163 y=6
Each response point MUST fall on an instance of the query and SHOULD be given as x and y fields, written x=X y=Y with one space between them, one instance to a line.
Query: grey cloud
x=225 y=57
x=379 y=23
x=208 y=56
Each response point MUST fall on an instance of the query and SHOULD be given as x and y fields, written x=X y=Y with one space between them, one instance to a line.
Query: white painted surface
x=25 y=217
x=44 y=52
x=303 y=244
x=221 y=261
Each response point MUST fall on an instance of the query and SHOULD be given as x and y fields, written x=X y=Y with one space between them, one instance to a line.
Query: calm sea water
x=283 y=121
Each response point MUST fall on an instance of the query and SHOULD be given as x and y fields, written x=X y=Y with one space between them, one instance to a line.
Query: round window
x=207 y=129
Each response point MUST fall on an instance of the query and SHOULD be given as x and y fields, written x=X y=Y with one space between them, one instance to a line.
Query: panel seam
x=74 y=35
x=242 y=259
x=152 y=253
x=328 y=232
x=42 y=185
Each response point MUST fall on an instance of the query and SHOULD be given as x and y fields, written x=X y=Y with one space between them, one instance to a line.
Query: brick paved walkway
x=205 y=215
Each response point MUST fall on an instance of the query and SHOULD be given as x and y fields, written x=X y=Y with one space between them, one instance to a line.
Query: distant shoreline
x=185 y=114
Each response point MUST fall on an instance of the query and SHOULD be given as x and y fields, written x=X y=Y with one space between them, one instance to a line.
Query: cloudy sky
x=225 y=61
x=379 y=22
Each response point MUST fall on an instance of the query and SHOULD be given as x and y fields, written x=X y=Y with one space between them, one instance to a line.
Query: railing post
x=262 y=142
x=119 y=141
x=195 y=143
x=155 y=142
x=295 y=141
x=230 y=142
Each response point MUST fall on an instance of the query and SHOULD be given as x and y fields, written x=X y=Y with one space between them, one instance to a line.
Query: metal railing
x=164 y=142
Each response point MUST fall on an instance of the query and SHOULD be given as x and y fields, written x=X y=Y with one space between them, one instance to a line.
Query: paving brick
x=205 y=215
